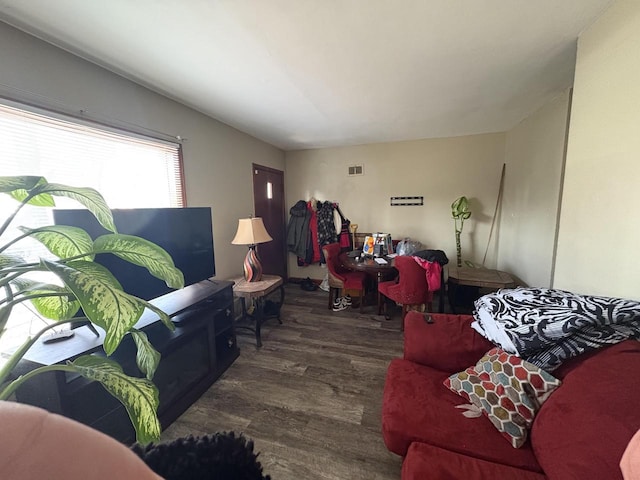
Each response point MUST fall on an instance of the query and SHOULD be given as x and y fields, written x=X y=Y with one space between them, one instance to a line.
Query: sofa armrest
x=449 y=344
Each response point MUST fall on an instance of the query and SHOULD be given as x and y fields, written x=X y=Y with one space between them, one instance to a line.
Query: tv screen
x=185 y=233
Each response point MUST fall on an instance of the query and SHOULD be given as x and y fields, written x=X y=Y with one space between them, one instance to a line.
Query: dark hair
x=220 y=456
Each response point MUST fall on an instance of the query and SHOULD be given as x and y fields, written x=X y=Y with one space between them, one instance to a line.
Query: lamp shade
x=251 y=231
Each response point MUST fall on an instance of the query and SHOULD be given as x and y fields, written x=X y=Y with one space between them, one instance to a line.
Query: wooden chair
x=339 y=277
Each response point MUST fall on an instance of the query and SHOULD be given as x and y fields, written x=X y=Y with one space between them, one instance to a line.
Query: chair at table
x=339 y=277
x=411 y=288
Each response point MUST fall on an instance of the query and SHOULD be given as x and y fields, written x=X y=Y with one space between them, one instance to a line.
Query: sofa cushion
x=582 y=430
x=418 y=408
x=508 y=389
x=426 y=461
x=448 y=344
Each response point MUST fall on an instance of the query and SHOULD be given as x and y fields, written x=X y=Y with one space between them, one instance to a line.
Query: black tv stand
x=200 y=349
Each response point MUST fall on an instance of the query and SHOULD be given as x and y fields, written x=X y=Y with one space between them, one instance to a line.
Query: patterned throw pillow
x=508 y=389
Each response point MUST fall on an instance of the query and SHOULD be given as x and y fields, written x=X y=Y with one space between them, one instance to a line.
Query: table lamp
x=250 y=232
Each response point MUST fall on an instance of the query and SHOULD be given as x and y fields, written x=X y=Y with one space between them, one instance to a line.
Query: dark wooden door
x=268 y=199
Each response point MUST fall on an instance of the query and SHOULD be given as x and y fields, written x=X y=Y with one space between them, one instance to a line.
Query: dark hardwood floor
x=310 y=398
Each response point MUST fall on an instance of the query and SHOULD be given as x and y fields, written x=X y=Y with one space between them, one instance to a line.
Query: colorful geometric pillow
x=508 y=389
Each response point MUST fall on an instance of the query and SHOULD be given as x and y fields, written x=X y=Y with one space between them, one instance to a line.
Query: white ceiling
x=316 y=73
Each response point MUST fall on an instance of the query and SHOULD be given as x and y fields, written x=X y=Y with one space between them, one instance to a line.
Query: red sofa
x=580 y=432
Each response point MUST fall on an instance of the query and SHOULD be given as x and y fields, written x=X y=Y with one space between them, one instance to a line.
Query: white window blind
x=129 y=171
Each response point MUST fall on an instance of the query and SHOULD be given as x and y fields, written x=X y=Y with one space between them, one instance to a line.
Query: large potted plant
x=87 y=285
x=460 y=212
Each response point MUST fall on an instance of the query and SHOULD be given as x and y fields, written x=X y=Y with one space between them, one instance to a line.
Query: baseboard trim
x=298 y=280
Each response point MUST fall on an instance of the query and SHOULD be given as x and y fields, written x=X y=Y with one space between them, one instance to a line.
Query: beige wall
x=599 y=227
x=534 y=158
x=217 y=158
x=441 y=170
x=599 y=235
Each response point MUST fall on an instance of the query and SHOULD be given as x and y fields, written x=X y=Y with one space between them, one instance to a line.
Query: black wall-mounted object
x=407 y=201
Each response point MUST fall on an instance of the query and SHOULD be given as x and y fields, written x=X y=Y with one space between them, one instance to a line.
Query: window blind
x=130 y=171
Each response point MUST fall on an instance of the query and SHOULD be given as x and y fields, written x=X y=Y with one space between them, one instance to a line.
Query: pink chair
x=339 y=277
x=410 y=288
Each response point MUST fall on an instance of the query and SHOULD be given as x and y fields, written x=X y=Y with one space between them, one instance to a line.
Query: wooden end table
x=258 y=292
x=476 y=277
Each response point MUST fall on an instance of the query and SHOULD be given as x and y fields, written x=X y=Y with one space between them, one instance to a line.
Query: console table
x=258 y=292
x=476 y=277
x=194 y=355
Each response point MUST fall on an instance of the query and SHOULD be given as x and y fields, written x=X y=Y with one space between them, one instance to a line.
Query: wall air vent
x=356 y=170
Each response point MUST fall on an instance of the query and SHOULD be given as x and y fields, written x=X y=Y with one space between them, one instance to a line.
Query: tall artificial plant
x=460 y=212
x=87 y=285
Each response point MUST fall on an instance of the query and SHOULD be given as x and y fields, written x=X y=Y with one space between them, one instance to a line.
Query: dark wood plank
x=311 y=397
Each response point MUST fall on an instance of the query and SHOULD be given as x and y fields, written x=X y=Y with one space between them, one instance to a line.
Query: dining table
x=376 y=271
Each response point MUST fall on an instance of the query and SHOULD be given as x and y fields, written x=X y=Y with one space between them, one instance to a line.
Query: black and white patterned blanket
x=547 y=326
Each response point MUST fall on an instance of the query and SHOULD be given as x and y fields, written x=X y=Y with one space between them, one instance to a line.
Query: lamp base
x=252 y=266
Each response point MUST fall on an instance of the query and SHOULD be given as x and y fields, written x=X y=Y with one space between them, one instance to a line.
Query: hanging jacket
x=344 y=237
x=337 y=220
x=298 y=229
x=326 y=227
x=314 y=255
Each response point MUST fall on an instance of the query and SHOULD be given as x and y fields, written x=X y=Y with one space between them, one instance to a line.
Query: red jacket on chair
x=412 y=287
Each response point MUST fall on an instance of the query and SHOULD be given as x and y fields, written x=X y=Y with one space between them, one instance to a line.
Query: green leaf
x=164 y=318
x=26 y=182
x=147 y=357
x=5 y=312
x=460 y=208
x=138 y=395
x=19 y=187
x=26 y=284
x=23 y=285
x=56 y=307
x=101 y=297
x=8 y=260
x=89 y=197
x=144 y=253
x=63 y=241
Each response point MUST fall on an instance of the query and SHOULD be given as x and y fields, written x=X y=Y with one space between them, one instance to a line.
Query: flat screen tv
x=185 y=233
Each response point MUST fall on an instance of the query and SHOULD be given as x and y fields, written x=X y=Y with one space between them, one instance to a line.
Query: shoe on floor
x=308 y=285
x=338 y=307
x=342 y=300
